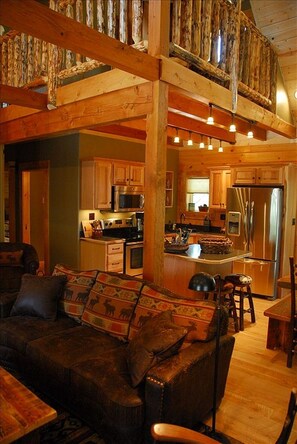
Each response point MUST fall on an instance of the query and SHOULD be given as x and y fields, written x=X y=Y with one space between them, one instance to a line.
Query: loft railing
x=212 y=37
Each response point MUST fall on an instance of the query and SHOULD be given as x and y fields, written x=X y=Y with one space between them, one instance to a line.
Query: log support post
x=156 y=150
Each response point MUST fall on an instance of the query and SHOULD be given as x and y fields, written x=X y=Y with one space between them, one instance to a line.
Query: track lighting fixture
x=250 y=133
x=210 y=119
x=190 y=141
x=176 y=138
x=201 y=144
x=220 y=149
x=210 y=146
x=232 y=127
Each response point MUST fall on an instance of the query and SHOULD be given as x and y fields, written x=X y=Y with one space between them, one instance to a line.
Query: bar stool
x=242 y=290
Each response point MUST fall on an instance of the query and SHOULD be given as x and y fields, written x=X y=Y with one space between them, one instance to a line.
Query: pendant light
x=176 y=138
x=190 y=141
x=210 y=119
x=201 y=144
x=250 y=133
x=232 y=127
x=220 y=149
x=210 y=146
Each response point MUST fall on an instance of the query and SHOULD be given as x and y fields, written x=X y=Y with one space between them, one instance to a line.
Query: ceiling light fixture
x=220 y=149
x=176 y=138
x=190 y=141
x=232 y=127
x=250 y=133
x=210 y=119
x=201 y=144
x=210 y=146
x=295 y=94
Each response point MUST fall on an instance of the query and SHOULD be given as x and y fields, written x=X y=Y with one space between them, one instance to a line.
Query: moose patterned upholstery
x=91 y=357
x=16 y=259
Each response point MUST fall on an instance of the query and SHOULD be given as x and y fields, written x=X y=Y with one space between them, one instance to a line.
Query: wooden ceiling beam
x=23 y=97
x=126 y=104
x=204 y=90
x=39 y=21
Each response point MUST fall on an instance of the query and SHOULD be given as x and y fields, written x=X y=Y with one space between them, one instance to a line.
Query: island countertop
x=195 y=254
x=180 y=267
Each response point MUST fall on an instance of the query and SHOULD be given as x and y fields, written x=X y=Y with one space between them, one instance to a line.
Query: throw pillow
x=11 y=258
x=38 y=296
x=111 y=303
x=198 y=316
x=76 y=290
x=157 y=340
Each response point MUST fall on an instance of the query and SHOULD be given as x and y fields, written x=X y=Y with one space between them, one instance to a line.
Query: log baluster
x=17 y=65
x=123 y=21
x=137 y=17
x=101 y=15
x=53 y=68
x=246 y=56
x=196 y=27
x=10 y=61
x=78 y=18
x=44 y=57
x=206 y=29
x=233 y=47
x=37 y=57
x=242 y=49
x=176 y=22
x=273 y=83
x=69 y=55
x=4 y=61
x=224 y=35
x=186 y=25
x=267 y=68
x=257 y=61
x=215 y=33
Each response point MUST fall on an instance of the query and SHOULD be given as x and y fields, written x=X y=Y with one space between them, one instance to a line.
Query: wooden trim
x=22 y=97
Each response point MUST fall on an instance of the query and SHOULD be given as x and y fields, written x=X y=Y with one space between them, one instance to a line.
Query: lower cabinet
x=105 y=256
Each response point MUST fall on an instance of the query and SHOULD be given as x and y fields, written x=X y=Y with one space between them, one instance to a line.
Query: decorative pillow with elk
x=197 y=316
x=76 y=290
x=111 y=303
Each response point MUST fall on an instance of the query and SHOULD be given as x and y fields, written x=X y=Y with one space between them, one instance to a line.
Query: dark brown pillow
x=158 y=339
x=38 y=296
x=11 y=258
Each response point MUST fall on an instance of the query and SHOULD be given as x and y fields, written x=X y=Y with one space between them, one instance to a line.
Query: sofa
x=119 y=352
x=16 y=259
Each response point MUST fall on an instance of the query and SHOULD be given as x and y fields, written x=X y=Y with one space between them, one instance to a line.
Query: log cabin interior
x=132 y=85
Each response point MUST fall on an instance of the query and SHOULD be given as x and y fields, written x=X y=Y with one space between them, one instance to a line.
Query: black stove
x=121 y=229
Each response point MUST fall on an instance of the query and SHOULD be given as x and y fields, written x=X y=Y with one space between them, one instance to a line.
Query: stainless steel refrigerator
x=253 y=223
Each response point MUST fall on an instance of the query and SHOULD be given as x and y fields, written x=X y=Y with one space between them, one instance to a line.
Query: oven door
x=134 y=258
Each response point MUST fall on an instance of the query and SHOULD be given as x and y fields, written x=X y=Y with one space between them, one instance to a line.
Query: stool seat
x=241 y=290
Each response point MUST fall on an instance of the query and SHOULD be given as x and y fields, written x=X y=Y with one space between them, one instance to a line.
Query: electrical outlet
x=91 y=216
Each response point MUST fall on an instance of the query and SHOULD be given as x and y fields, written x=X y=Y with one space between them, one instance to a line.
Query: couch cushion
x=38 y=296
x=11 y=258
x=105 y=382
x=52 y=356
x=76 y=291
x=198 y=316
x=17 y=331
x=157 y=340
x=111 y=303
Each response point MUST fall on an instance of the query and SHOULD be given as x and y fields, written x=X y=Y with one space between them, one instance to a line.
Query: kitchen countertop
x=194 y=254
x=104 y=240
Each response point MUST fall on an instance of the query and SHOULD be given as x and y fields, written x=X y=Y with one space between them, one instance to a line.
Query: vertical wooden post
x=196 y=27
x=186 y=25
x=176 y=22
x=78 y=18
x=123 y=21
x=234 y=52
x=156 y=150
x=137 y=17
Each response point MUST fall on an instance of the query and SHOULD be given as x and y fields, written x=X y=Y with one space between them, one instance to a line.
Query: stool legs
x=242 y=295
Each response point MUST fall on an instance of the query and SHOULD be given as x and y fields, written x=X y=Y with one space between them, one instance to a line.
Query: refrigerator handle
x=251 y=236
x=246 y=225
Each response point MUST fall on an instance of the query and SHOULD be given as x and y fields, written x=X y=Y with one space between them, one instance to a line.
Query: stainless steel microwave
x=127 y=198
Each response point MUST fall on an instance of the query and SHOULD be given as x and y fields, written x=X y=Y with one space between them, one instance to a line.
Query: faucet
x=182 y=218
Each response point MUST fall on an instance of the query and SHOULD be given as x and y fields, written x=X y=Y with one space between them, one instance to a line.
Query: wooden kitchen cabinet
x=261 y=175
x=126 y=173
x=96 y=182
x=105 y=256
x=219 y=181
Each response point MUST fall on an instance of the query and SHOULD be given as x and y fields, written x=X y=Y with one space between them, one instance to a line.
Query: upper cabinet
x=127 y=173
x=261 y=175
x=220 y=180
x=96 y=182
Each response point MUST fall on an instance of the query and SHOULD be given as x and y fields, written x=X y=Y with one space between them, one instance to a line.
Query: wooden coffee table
x=21 y=412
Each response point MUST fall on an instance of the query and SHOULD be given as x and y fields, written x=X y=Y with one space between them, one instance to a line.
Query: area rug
x=68 y=429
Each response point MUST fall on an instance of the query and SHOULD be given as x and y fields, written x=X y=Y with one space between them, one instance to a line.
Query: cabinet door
x=242 y=176
x=220 y=180
x=136 y=175
x=102 y=197
x=87 y=185
x=121 y=173
x=270 y=176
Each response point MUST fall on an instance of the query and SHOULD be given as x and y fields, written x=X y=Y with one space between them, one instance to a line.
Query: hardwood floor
x=258 y=388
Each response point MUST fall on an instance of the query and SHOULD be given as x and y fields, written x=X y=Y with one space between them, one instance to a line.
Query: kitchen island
x=180 y=267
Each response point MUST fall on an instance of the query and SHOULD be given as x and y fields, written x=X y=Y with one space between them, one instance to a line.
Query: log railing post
x=137 y=17
x=234 y=36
